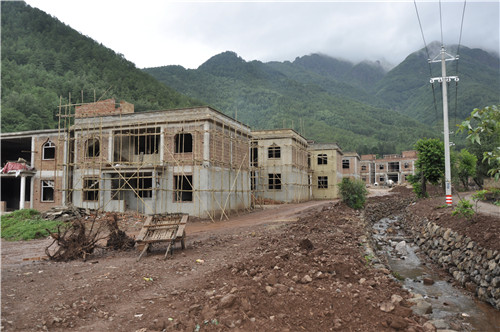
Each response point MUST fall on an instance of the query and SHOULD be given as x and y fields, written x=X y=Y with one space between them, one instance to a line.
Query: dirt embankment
x=279 y=276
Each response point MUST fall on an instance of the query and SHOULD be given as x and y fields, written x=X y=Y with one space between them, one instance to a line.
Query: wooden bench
x=162 y=228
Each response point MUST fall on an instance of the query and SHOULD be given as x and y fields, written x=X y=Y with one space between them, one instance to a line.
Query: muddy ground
x=296 y=267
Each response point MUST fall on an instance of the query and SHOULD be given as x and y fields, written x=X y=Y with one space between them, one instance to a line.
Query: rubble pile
x=65 y=213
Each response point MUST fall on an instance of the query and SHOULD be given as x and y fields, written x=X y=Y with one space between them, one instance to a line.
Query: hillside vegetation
x=361 y=106
x=43 y=59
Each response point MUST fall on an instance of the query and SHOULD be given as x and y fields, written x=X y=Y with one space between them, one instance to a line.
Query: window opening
x=253 y=180
x=47 y=190
x=322 y=182
x=393 y=166
x=363 y=168
x=322 y=159
x=91 y=189
x=254 y=156
x=145 y=186
x=274 y=152
x=183 y=143
x=93 y=148
x=309 y=160
x=49 y=150
x=407 y=165
x=346 y=163
x=146 y=141
x=381 y=179
x=381 y=166
x=274 y=181
x=183 y=190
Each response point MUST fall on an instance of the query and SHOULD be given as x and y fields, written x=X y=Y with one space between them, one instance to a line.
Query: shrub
x=26 y=225
x=353 y=193
x=464 y=209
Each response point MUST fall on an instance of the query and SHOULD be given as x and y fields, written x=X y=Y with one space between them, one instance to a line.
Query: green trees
x=43 y=59
x=483 y=129
x=466 y=167
x=353 y=192
x=430 y=162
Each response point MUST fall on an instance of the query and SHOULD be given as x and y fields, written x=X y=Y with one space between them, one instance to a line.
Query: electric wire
x=458 y=60
x=428 y=59
x=441 y=22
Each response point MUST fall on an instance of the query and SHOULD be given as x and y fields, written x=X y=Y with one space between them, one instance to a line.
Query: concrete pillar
x=23 y=192
x=206 y=144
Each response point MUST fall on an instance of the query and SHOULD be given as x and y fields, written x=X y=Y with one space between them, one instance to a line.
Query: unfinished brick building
x=193 y=161
x=32 y=174
x=393 y=167
x=280 y=170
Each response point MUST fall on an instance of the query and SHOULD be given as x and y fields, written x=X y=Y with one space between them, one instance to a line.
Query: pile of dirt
x=304 y=275
x=309 y=276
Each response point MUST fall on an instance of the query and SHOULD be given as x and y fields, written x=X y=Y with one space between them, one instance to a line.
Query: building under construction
x=197 y=161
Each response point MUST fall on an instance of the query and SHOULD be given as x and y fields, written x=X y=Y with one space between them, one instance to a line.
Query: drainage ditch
x=446 y=306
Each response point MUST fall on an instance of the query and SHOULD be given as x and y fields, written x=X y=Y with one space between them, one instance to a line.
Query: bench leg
x=143 y=251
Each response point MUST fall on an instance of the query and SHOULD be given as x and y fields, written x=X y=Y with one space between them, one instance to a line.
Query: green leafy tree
x=466 y=167
x=430 y=162
x=353 y=192
x=483 y=125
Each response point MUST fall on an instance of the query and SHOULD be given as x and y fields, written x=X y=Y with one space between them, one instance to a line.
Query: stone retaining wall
x=474 y=267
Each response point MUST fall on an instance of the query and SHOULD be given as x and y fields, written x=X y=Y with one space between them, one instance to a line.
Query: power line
x=428 y=58
x=458 y=60
x=441 y=22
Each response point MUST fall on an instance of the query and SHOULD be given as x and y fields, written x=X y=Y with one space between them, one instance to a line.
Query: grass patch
x=26 y=225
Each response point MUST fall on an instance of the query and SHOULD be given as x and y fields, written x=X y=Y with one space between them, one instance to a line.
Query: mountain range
x=364 y=106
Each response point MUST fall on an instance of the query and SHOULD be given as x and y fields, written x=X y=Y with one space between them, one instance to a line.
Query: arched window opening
x=48 y=150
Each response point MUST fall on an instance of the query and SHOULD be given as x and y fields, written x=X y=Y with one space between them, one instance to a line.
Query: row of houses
x=195 y=160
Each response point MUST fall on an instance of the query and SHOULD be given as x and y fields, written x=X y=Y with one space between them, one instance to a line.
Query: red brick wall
x=103 y=108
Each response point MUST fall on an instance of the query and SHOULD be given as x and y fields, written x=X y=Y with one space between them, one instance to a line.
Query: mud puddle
x=446 y=306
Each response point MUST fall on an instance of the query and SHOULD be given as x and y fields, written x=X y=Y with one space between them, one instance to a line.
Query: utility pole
x=444 y=80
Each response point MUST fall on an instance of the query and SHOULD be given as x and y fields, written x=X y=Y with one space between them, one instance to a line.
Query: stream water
x=451 y=307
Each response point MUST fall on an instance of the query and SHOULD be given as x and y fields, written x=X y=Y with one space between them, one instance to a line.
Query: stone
x=428 y=281
x=439 y=323
x=396 y=298
x=429 y=327
x=401 y=248
x=271 y=290
x=306 y=279
x=399 y=323
x=227 y=301
x=387 y=306
x=422 y=308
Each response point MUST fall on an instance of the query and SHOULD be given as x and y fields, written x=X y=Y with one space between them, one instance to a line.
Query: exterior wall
x=291 y=166
x=332 y=170
x=217 y=162
x=354 y=169
x=380 y=170
x=51 y=169
x=103 y=108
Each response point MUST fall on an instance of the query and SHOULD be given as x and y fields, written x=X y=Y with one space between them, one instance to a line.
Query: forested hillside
x=361 y=106
x=406 y=88
x=43 y=59
x=277 y=95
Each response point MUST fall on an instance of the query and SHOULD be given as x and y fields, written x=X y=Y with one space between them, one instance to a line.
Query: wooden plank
x=143 y=251
x=161 y=225
x=144 y=230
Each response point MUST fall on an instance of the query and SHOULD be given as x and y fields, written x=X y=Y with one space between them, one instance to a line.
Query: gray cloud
x=156 y=33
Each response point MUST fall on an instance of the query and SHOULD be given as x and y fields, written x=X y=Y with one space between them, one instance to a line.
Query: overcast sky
x=154 y=33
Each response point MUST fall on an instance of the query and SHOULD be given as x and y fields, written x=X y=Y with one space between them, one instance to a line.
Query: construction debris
x=65 y=213
x=82 y=235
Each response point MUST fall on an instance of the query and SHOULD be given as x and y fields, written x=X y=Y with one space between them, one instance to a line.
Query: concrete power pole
x=443 y=80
